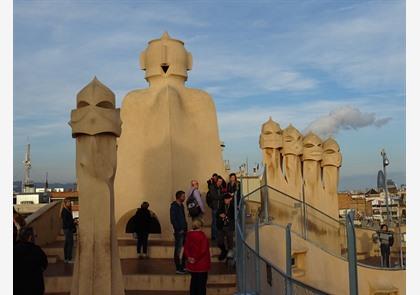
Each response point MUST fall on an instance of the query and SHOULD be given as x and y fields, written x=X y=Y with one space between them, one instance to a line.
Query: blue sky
x=302 y=62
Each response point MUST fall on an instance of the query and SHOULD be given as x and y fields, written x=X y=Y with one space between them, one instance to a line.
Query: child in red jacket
x=197 y=252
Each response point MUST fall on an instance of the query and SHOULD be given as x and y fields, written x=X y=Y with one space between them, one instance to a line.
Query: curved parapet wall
x=321 y=270
x=169 y=135
x=46 y=223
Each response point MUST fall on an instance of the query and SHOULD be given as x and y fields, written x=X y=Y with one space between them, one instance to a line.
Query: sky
x=334 y=67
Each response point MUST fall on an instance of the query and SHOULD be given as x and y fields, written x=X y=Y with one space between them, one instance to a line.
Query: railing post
x=401 y=252
x=352 y=254
x=288 y=260
x=238 y=242
x=243 y=247
x=305 y=217
x=257 y=258
x=264 y=191
x=400 y=238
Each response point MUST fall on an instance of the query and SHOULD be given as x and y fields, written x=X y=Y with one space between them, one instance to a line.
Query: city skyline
x=336 y=68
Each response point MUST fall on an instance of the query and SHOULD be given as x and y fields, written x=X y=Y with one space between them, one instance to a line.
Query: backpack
x=192 y=205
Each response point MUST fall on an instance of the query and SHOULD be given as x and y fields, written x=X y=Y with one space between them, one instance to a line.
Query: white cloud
x=344 y=118
x=246 y=122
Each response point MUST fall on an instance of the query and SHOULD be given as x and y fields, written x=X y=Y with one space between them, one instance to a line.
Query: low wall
x=26 y=209
x=322 y=270
x=46 y=223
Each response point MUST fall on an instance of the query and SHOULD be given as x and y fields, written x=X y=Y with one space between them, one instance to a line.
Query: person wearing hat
x=143 y=219
x=225 y=226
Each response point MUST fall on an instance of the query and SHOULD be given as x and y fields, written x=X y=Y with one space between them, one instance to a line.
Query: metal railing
x=255 y=273
x=267 y=205
x=320 y=229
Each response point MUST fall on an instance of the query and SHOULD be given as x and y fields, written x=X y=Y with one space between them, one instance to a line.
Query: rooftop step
x=163 y=249
x=212 y=289
x=298 y=272
x=149 y=275
x=384 y=291
x=52 y=259
x=156 y=249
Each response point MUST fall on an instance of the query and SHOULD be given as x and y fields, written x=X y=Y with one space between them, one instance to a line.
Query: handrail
x=297 y=200
x=312 y=289
x=241 y=205
x=305 y=204
x=241 y=236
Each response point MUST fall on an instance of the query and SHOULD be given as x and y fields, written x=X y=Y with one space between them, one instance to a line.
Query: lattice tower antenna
x=27 y=167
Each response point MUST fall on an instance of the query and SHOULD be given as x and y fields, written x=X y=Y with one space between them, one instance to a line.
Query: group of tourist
x=195 y=258
x=192 y=248
x=220 y=199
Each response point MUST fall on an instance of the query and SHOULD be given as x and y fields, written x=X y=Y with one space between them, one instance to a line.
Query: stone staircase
x=155 y=275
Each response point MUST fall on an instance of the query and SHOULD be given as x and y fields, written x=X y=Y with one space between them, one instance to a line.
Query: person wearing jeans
x=226 y=227
x=214 y=224
x=179 y=223
x=178 y=259
x=215 y=201
x=386 y=238
x=68 y=228
x=143 y=219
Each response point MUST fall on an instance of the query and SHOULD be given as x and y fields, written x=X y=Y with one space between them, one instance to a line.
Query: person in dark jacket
x=386 y=239
x=197 y=252
x=216 y=199
x=179 y=223
x=226 y=227
x=29 y=263
x=68 y=230
x=18 y=223
x=234 y=187
x=212 y=180
x=143 y=219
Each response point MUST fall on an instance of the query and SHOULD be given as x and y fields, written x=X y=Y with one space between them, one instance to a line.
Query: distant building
x=392 y=187
x=27 y=203
x=58 y=189
x=356 y=202
x=32 y=198
x=42 y=190
x=371 y=205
